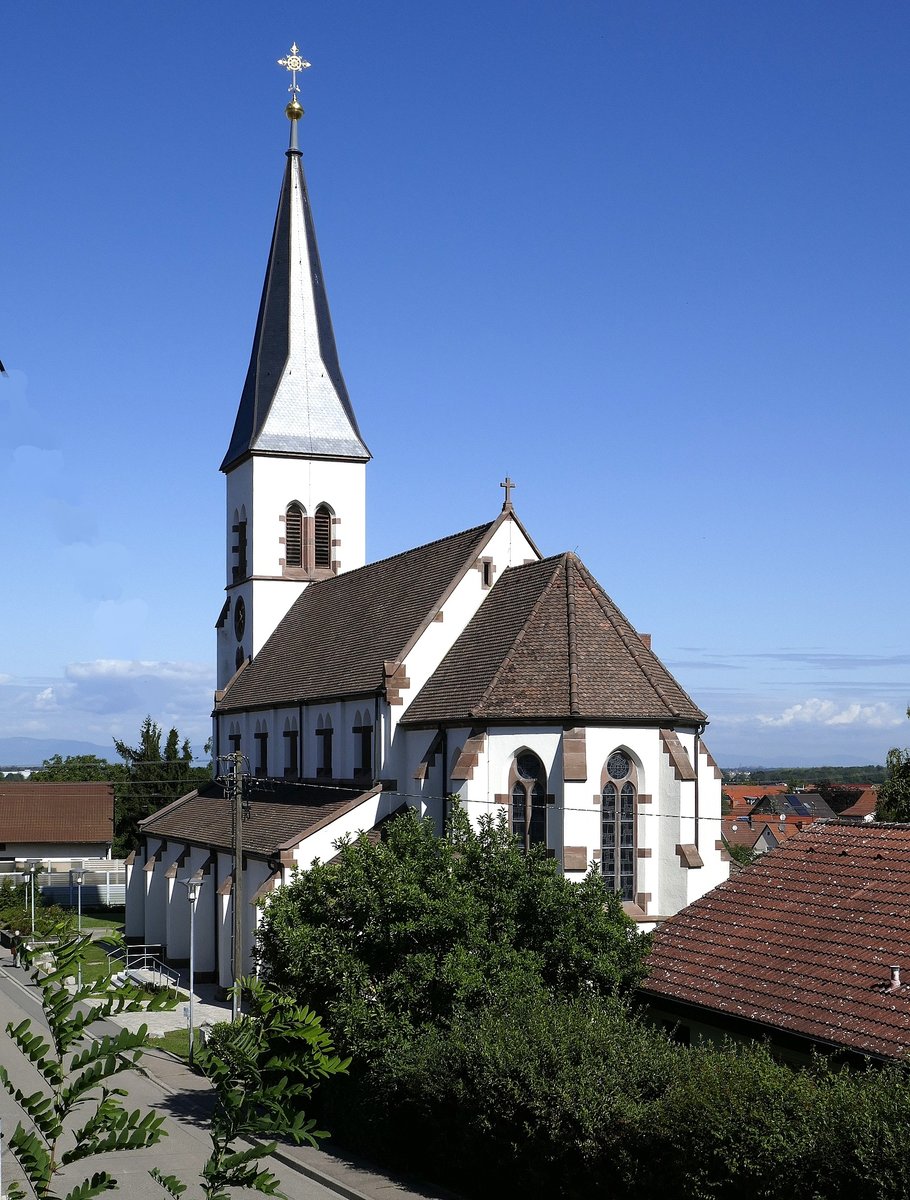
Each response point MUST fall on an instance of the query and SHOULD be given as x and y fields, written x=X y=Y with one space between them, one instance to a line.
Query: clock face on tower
x=239 y=618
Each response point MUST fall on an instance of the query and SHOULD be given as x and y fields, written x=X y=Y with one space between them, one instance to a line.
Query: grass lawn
x=176 y=1042
x=111 y=919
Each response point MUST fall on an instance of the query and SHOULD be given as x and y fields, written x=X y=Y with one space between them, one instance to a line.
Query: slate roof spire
x=294 y=400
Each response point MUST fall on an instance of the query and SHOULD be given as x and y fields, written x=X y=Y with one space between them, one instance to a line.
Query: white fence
x=103 y=881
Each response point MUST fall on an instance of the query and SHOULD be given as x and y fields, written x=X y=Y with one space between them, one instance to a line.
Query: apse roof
x=549 y=643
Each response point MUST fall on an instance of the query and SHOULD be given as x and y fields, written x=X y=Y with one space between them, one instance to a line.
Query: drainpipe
x=698 y=732
x=443 y=733
x=300 y=741
x=377 y=740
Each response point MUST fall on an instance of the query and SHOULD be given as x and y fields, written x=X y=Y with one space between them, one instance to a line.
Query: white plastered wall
x=262 y=487
x=507 y=546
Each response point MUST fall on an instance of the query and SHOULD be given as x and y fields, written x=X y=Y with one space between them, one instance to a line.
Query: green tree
x=264 y=1069
x=78 y=1114
x=415 y=928
x=838 y=796
x=79 y=768
x=894 y=794
x=152 y=778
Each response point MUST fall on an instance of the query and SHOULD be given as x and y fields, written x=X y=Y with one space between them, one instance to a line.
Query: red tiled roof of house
x=865 y=806
x=802 y=941
x=56 y=812
x=743 y=797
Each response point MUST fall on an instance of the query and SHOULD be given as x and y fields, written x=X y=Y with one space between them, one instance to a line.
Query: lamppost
x=77 y=878
x=32 y=871
x=192 y=886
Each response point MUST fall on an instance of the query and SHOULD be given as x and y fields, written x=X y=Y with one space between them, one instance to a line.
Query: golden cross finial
x=294 y=62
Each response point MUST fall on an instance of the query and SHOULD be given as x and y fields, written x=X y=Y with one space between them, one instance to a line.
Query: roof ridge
x=570 y=624
x=453 y=582
x=378 y=562
x=639 y=652
x=507 y=658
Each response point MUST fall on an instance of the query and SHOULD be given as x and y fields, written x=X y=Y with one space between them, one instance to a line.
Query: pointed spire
x=294 y=400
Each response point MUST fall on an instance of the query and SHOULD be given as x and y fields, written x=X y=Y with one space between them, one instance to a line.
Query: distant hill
x=31 y=752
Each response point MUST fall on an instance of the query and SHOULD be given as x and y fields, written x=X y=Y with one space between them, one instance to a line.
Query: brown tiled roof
x=56 y=812
x=548 y=642
x=802 y=941
x=866 y=804
x=339 y=632
x=204 y=817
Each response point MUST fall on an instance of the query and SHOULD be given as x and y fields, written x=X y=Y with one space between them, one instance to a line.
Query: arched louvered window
x=322 y=538
x=529 y=800
x=618 y=809
x=293 y=536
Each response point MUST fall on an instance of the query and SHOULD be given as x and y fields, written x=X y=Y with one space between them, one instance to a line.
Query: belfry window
x=618 y=806
x=529 y=800
x=293 y=536
x=322 y=538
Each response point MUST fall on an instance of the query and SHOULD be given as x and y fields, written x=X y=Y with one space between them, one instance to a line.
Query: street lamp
x=32 y=871
x=77 y=877
x=192 y=886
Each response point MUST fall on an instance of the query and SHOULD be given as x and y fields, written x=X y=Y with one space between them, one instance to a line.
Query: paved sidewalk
x=170 y=1086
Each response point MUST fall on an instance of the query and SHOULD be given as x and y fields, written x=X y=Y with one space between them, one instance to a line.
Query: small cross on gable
x=508 y=485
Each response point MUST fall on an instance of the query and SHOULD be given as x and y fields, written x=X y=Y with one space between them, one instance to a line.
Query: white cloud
x=110 y=697
x=827 y=712
x=121 y=668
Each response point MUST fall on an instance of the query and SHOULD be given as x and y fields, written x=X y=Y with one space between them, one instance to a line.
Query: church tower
x=296 y=464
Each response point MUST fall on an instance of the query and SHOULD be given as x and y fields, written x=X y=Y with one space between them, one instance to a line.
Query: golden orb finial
x=294 y=110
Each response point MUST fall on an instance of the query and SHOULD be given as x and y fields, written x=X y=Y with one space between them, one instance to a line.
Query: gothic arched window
x=528 y=781
x=618 y=818
x=322 y=538
x=293 y=536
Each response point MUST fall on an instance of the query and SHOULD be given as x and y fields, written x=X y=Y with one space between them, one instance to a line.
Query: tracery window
x=293 y=536
x=618 y=813
x=322 y=538
x=529 y=800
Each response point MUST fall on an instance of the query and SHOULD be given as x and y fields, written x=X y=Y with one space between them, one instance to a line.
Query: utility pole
x=237 y=888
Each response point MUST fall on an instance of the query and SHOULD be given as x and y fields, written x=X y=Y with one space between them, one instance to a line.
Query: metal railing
x=134 y=959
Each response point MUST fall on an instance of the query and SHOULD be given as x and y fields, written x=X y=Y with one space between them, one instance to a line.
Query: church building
x=472 y=667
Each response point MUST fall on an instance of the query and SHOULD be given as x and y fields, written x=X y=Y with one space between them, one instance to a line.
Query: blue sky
x=650 y=258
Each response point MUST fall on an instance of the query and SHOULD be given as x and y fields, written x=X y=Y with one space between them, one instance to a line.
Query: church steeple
x=294 y=400
x=296 y=465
